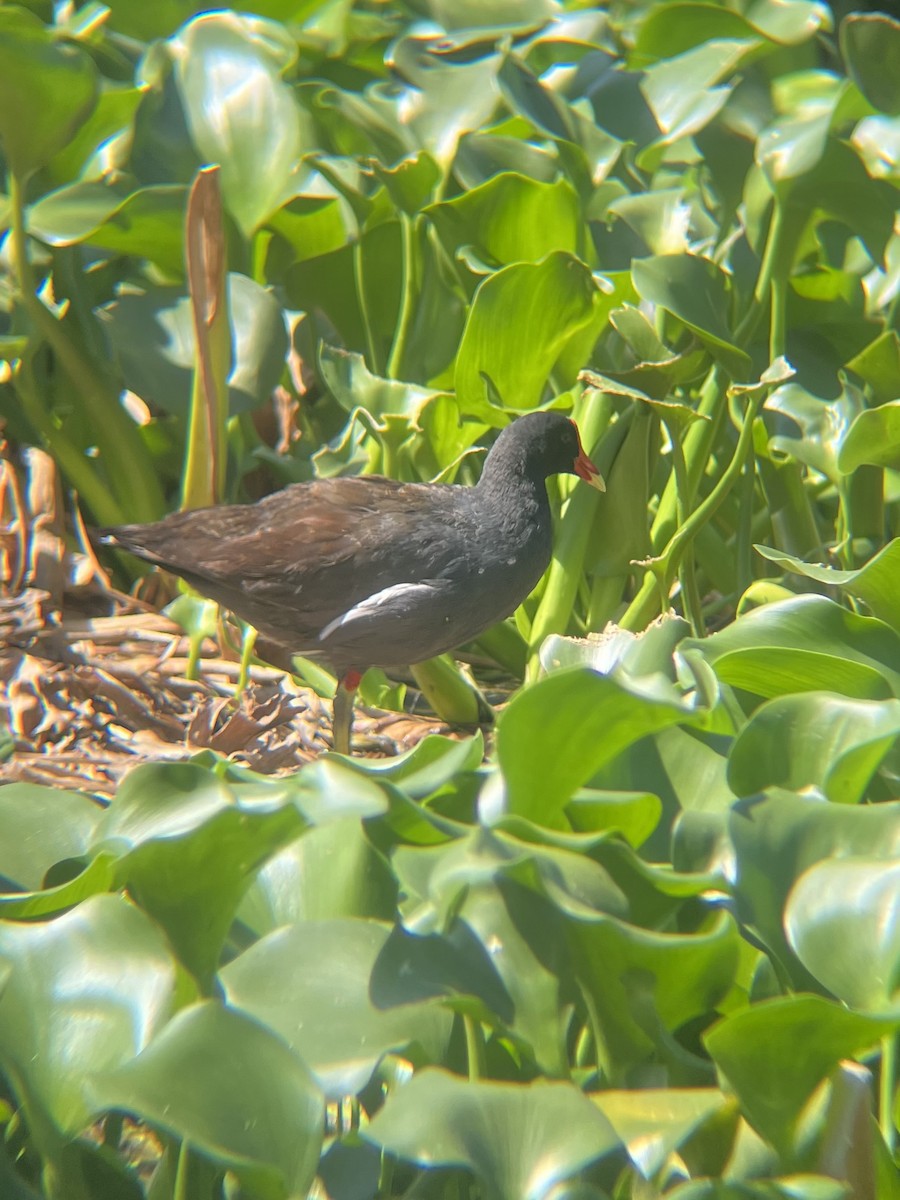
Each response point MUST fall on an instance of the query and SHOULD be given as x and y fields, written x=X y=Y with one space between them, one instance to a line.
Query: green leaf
x=694 y=290
x=39 y=827
x=756 y=1051
x=240 y=112
x=187 y=846
x=86 y=992
x=148 y=223
x=874 y=583
x=159 y=368
x=842 y=920
x=511 y=218
x=516 y=1139
x=873 y=437
x=870 y=43
x=653 y=1123
x=814 y=739
x=332 y=871
x=557 y=733
x=823 y=425
x=776 y=837
x=805 y=644
x=243 y=1098
x=643 y=984
x=326 y=1014
x=555 y=300
x=48 y=88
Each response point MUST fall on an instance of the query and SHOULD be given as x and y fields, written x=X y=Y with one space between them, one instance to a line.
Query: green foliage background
x=653 y=946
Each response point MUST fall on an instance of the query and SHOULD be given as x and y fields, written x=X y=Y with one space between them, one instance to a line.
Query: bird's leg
x=342 y=720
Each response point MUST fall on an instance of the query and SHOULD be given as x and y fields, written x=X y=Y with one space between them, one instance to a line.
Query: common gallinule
x=368 y=572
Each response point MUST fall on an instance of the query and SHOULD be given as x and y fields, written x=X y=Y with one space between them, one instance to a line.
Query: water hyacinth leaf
x=653 y=1123
x=556 y=734
x=240 y=112
x=671 y=29
x=187 y=845
x=481 y=157
x=634 y=815
x=685 y=91
x=823 y=425
x=355 y=387
x=806 y=643
x=243 y=1099
x=779 y=835
x=327 y=1015
x=48 y=88
x=874 y=583
x=694 y=290
x=39 y=827
x=814 y=739
x=843 y=922
x=554 y=300
x=756 y=1051
x=411 y=182
x=516 y=1139
x=86 y=992
x=877 y=142
x=440 y=97
x=795 y=143
x=160 y=369
x=870 y=43
x=643 y=984
x=511 y=218
x=332 y=871
x=878 y=363
x=147 y=223
x=428 y=766
x=873 y=437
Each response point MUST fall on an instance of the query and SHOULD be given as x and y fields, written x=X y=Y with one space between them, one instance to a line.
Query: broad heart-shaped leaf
x=511 y=218
x=512 y=895
x=310 y=983
x=354 y=387
x=756 y=1050
x=40 y=826
x=554 y=301
x=217 y=1080
x=870 y=43
x=875 y=582
x=48 y=88
x=814 y=739
x=331 y=871
x=778 y=836
x=557 y=733
x=518 y=1140
x=147 y=223
x=186 y=847
x=652 y=1123
x=873 y=437
x=823 y=425
x=696 y=291
x=843 y=922
x=86 y=992
x=240 y=112
x=644 y=985
x=152 y=335
x=807 y=643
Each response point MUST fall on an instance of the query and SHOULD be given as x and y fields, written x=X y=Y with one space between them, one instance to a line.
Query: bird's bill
x=586 y=470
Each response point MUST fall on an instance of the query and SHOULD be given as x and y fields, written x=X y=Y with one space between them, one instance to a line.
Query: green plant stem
x=886 y=1087
x=474 y=1048
x=690 y=596
x=128 y=465
x=408 y=229
x=666 y=563
x=359 y=279
x=180 y=1190
x=76 y=467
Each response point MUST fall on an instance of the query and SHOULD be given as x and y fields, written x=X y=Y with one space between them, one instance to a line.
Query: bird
x=366 y=571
